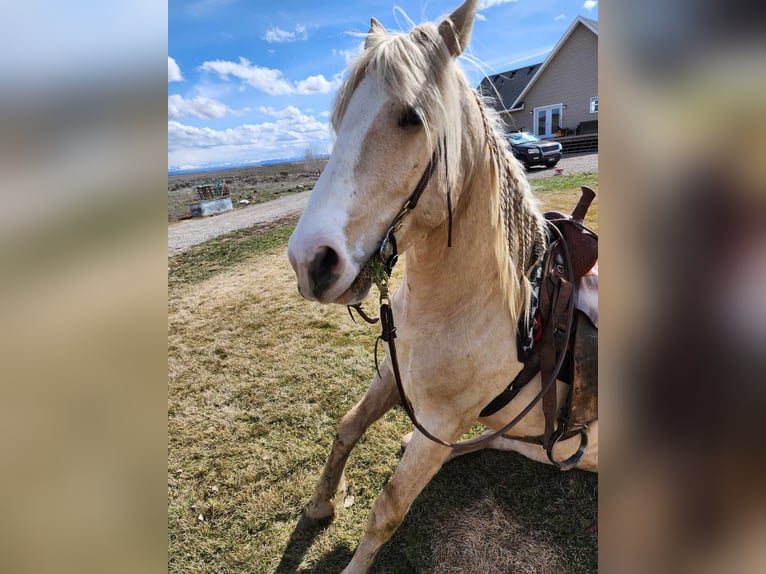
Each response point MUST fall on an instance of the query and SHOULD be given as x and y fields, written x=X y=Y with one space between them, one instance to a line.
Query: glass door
x=547 y=120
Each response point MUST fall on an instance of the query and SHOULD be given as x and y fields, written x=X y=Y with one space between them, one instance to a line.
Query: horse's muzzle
x=322 y=271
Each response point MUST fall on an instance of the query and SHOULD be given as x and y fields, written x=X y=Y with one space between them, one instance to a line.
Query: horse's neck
x=472 y=273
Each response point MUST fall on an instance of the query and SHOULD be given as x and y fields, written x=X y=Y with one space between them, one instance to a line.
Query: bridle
x=388 y=255
x=388 y=251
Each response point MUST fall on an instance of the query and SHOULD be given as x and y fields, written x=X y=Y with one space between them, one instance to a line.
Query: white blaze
x=323 y=223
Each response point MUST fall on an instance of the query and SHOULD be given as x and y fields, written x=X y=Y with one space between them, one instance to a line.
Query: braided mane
x=523 y=222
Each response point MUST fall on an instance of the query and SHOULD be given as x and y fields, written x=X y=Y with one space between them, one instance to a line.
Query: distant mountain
x=182 y=170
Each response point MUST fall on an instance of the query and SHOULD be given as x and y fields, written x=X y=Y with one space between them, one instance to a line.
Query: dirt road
x=184 y=234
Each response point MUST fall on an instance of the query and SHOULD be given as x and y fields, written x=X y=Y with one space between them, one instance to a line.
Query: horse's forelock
x=417 y=70
x=410 y=67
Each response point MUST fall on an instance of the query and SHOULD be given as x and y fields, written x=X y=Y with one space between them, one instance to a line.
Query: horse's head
x=399 y=108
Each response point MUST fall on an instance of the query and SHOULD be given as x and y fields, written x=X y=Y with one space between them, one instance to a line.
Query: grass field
x=258 y=379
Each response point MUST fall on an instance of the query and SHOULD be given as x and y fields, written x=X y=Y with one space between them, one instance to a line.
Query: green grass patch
x=216 y=255
x=560 y=182
x=561 y=193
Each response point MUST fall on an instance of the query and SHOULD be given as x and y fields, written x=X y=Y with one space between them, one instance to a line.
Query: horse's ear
x=375 y=28
x=456 y=30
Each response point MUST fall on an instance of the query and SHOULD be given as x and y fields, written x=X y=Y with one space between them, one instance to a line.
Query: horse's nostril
x=324 y=270
x=330 y=258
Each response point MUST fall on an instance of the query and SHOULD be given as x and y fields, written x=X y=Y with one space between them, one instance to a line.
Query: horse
x=421 y=168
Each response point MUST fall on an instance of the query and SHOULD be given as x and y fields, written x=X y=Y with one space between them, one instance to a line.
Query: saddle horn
x=578 y=214
x=582 y=242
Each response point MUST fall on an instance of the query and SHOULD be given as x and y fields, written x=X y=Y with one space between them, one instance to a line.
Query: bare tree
x=311 y=164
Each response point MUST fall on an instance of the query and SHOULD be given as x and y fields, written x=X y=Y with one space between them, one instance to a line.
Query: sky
x=252 y=81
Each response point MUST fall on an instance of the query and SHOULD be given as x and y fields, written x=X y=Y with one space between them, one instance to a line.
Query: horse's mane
x=415 y=68
x=523 y=222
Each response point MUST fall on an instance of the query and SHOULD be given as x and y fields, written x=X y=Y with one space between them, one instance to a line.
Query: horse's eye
x=409 y=118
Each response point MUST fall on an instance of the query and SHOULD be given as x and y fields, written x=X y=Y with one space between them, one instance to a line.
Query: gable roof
x=591 y=25
x=508 y=85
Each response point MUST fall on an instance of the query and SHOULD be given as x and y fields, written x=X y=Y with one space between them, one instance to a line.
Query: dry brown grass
x=258 y=379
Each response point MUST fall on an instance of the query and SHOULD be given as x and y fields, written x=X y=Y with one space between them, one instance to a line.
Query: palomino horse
x=411 y=130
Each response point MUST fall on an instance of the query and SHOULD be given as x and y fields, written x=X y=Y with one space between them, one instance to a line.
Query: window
x=594 y=105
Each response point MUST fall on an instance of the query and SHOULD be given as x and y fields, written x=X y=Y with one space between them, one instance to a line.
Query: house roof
x=591 y=25
x=512 y=86
x=508 y=85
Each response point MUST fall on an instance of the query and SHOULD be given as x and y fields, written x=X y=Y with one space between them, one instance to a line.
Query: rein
x=389 y=255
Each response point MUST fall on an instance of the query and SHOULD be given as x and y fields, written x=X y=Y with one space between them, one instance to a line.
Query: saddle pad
x=586 y=296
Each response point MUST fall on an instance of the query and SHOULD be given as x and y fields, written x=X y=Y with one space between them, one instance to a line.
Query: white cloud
x=174 y=72
x=481 y=17
x=270 y=80
x=200 y=107
x=484 y=4
x=590 y=4
x=559 y=17
x=279 y=35
x=288 y=135
x=317 y=85
x=350 y=55
x=290 y=112
x=265 y=79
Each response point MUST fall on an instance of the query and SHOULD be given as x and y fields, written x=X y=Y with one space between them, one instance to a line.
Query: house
x=557 y=96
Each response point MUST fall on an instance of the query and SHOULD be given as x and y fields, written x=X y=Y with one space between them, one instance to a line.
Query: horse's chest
x=445 y=358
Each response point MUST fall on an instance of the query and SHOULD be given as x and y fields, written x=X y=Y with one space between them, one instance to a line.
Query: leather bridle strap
x=422 y=183
x=388 y=251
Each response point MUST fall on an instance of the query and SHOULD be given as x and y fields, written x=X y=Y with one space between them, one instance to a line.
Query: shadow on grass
x=333 y=561
x=488 y=512
x=304 y=535
x=497 y=512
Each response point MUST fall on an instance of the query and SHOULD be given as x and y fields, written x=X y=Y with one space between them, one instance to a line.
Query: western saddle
x=566 y=332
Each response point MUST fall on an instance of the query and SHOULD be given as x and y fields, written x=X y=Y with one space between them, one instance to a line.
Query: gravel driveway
x=184 y=234
x=572 y=164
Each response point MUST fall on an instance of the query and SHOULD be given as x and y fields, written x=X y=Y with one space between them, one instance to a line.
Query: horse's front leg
x=420 y=462
x=379 y=399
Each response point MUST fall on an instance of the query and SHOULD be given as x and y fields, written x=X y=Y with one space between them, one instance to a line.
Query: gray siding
x=571 y=78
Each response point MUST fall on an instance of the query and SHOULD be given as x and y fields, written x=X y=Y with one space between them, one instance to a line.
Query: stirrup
x=573 y=460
